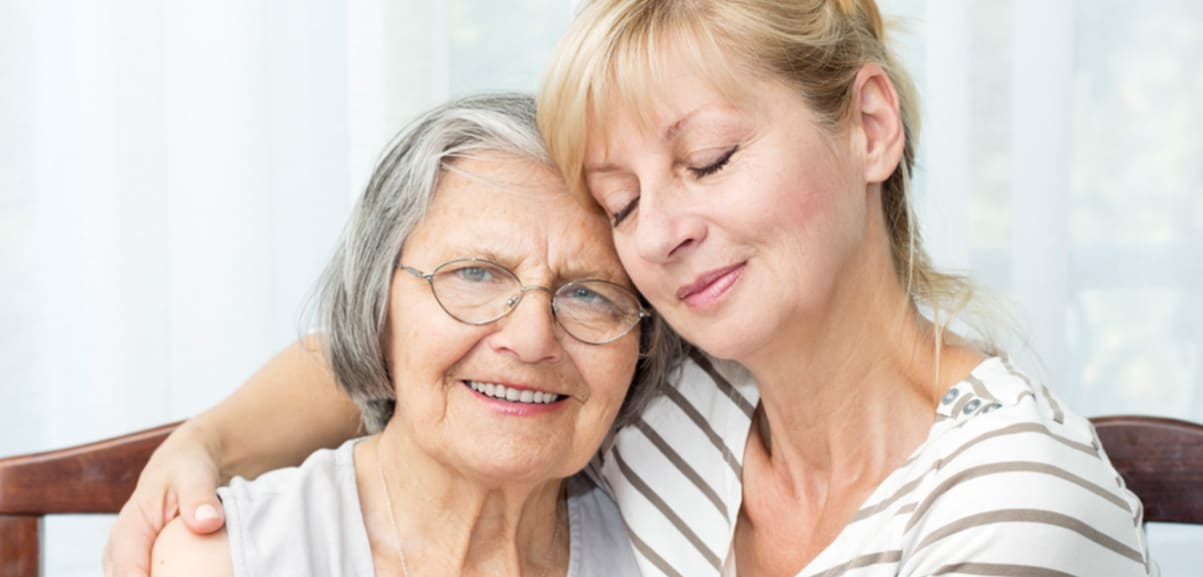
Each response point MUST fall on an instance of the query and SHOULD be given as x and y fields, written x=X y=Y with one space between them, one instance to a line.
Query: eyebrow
x=562 y=276
x=602 y=169
x=670 y=133
x=674 y=129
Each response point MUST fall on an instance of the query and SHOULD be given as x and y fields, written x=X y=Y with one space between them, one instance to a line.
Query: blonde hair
x=818 y=46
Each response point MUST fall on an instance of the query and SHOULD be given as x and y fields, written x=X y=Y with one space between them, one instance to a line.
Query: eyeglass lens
x=479 y=292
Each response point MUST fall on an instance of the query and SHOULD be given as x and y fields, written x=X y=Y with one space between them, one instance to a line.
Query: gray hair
x=353 y=292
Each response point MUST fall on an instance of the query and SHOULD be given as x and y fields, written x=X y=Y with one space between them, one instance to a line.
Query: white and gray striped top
x=1008 y=482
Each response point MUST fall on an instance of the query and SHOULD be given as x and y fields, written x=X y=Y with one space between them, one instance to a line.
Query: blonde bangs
x=644 y=66
x=618 y=66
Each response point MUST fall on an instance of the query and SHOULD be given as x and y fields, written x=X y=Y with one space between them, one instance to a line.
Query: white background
x=173 y=176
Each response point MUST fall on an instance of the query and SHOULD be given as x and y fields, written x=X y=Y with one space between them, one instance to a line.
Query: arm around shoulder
x=253 y=431
x=256 y=427
x=179 y=552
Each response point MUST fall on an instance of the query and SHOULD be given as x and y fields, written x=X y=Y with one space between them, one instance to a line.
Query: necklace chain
x=392 y=518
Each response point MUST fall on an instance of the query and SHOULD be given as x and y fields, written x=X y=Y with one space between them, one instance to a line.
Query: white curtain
x=173 y=176
x=1059 y=165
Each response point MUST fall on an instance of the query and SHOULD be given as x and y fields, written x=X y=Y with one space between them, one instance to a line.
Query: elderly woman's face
x=449 y=374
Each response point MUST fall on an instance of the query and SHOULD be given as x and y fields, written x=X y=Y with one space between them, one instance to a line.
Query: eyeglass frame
x=512 y=302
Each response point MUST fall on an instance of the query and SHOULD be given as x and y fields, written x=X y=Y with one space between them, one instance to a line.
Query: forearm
x=288 y=409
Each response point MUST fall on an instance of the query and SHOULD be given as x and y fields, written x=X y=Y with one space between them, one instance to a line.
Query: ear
x=876 y=117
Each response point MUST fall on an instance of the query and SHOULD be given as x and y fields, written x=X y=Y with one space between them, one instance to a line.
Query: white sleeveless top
x=306 y=522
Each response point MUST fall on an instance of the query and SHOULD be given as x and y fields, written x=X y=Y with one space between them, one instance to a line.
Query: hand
x=181 y=478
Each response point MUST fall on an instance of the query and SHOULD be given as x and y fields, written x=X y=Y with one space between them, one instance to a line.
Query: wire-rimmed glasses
x=476 y=291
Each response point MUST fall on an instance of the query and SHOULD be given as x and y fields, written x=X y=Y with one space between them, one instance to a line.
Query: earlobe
x=878 y=117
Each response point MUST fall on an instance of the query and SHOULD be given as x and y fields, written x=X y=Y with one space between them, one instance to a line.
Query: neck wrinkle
x=452 y=525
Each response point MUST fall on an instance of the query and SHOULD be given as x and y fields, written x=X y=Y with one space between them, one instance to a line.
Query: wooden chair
x=1161 y=460
x=94 y=478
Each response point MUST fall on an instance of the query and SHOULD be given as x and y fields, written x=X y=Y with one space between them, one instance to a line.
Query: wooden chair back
x=94 y=478
x=1161 y=460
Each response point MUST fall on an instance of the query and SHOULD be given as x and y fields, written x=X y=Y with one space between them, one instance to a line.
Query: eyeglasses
x=478 y=292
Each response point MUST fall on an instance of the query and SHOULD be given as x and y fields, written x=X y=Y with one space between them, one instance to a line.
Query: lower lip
x=517 y=409
x=709 y=296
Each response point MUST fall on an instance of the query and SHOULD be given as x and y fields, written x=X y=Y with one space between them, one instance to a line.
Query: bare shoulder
x=179 y=552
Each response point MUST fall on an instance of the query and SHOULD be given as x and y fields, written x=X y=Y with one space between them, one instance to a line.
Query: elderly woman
x=478 y=315
x=753 y=158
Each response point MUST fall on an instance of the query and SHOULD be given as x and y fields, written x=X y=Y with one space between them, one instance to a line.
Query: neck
x=850 y=391
x=449 y=524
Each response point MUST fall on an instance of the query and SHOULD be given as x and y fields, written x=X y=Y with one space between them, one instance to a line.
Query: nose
x=529 y=332
x=667 y=226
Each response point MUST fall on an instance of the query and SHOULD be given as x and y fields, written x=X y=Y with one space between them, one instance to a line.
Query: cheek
x=807 y=217
x=625 y=372
x=832 y=219
x=424 y=344
x=609 y=372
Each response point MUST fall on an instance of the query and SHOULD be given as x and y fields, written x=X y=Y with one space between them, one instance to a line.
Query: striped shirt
x=1008 y=482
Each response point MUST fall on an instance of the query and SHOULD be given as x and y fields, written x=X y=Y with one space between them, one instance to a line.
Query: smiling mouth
x=709 y=286
x=513 y=395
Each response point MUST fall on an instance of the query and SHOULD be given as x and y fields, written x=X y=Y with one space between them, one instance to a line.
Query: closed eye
x=717 y=165
x=624 y=212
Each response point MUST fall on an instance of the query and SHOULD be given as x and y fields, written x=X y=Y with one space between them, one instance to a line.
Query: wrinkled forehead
x=517 y=210
x=505 y=185
x=490 y=173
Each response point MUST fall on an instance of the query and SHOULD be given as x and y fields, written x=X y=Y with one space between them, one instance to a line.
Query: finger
x=200 y=508
x=127 y=552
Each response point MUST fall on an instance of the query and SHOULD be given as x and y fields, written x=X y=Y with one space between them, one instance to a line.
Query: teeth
x=497 y=391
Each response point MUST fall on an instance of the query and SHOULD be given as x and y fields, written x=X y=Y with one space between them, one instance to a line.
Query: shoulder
x=304 y=520
x=675 y=472
x=325 y=470
x=700 y=423
x=996 y=413
x=178 y=552
x=599 y=541
x=1009 y=473
x=594 y=508
x=707 y=401
x=998 y=417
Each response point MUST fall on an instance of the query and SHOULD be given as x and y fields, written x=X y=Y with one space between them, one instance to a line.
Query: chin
x=502 y=467
x=737 y=353
x=728 y=340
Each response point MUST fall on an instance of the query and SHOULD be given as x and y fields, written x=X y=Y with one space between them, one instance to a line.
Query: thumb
x=201 y=509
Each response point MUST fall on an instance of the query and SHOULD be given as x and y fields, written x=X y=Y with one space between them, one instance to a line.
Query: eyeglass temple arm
x=415 y=272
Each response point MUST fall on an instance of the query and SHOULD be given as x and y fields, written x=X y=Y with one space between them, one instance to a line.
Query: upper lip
x=704 y=280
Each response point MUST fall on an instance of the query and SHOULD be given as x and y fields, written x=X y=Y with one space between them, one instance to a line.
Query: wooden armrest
x=94 y=478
